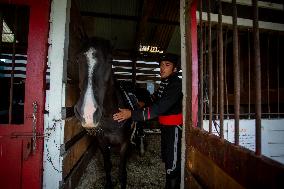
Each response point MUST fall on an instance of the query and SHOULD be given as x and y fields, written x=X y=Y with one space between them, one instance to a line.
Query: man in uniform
x=167 y=106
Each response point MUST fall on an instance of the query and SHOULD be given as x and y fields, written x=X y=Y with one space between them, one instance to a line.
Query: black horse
x=100 y=98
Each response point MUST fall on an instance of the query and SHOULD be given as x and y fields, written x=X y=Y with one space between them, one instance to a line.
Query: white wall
x=272 y=135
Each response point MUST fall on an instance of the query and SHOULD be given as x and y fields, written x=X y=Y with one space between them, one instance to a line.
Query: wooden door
x=23 y=54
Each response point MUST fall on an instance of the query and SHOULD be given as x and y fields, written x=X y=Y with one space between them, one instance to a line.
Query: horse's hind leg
x=122 y=165
x=107 y=166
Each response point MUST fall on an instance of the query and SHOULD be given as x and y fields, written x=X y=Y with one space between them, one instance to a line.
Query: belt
x=175 y=119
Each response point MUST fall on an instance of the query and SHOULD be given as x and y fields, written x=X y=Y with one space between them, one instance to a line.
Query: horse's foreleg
x=122 y=165
x=107 y=166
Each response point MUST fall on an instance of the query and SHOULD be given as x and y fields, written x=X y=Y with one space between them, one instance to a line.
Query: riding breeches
x=171 y=151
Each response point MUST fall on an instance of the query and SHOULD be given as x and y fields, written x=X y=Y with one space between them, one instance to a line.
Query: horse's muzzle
x=89 y=120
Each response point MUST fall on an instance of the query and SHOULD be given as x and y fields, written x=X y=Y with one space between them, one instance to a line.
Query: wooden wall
x=215 y=163
x=78 y=148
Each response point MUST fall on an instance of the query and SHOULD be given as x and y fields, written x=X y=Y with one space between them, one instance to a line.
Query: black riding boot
x=173 y=182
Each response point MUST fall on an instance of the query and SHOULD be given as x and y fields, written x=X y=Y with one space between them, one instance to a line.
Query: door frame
x=54 y=149
x=189 y=63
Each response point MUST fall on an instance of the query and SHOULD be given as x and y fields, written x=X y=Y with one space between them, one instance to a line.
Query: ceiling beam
x=242 y=22
x=117 y=70
x=164 y=33
x=139 y=65
x=261 y=4
x=147 y=8
x=127 y=17
x=138 y=78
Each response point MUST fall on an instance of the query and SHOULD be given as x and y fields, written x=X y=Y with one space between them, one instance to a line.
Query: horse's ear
x=85 y=40
x=110 y=52
x=109 y=58
x=107 y=74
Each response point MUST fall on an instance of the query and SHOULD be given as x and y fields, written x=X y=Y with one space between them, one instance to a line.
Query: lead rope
x=133 y=125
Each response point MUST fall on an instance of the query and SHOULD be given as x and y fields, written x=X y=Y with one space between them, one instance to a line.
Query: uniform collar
x=173 y=75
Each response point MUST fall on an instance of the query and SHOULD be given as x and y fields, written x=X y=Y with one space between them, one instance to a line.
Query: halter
x=131 y=101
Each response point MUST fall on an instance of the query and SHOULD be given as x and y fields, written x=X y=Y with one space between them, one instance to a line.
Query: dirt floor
x=143 y=172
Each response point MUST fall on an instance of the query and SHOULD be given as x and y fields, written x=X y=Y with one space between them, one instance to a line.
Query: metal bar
x=225 y=74
x=267 y=74
x=236 y=73
x=200 y=88
x=249 y=111
x=257 y=71
x=278 y=97
x=221 y=70
x=210 y=67
x=204 y=65
x=217 y=77
x=11 y=92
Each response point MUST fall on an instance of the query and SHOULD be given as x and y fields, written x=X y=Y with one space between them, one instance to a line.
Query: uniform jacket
x=167 y=100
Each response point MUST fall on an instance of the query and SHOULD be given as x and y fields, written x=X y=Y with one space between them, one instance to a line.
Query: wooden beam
x=226 y=20
x=139 y=65
x=73 y=178
x=261 y=4
x=147 y=8
x=163 y=33
x=138 y=77
x=241 y=164
x=129 y=18
x=242 y=22
x=74 y=153
x=137 y=71
x=72 y=128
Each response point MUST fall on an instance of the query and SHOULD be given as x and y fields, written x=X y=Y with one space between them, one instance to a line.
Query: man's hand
x=141 y=104
x=122 y=115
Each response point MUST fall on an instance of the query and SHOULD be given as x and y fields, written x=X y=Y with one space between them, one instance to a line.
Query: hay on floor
x=143 y=172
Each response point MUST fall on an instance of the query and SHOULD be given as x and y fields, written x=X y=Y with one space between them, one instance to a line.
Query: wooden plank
x=72 y=128
x=190 y=181
x=207 y=173
x=67 y=112
x=73 y=140
x=74 y=154
x=72 y=94
x=74 y=176
x=240 y=164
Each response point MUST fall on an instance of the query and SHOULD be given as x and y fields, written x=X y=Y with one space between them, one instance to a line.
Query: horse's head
x=94 y=73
